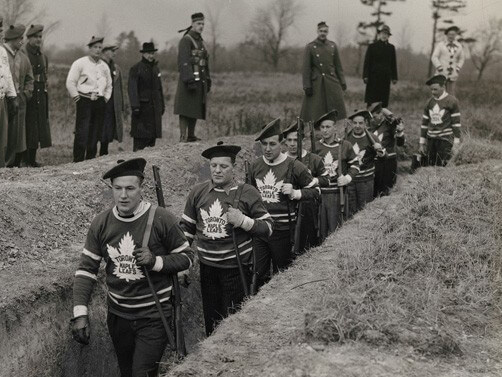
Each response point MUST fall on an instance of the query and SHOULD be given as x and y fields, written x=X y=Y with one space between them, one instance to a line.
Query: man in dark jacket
x=38 y=131
x=323 y=78
x=380 y=68
x=146 y=99
x=194 y=80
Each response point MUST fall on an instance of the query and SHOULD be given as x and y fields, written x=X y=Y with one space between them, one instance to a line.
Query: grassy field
x=240 y=103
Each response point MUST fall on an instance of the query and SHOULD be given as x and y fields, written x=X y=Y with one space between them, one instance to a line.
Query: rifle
x=300 y=135
x=246 y=172
x=312 y=137
x=178 y=324
x=236 y=247
x=254 y=278
x=373 y=141
x=340 y=173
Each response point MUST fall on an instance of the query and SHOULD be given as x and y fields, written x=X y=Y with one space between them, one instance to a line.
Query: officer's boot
x=191 y=131
x=183 y=129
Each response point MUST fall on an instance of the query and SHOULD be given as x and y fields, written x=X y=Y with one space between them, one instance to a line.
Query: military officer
x=194 y=82
x=323 y=78
x=38 y=131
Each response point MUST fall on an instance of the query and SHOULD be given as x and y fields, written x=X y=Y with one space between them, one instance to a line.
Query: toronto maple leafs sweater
x=385 y=133
x=205 y=220
x=363 y=148
x=316 y=167
x=441 y=119
x=329 y=155
x=268 y=178
x=112 y=239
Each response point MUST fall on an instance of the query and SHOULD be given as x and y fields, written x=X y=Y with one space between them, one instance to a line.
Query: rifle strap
x=237 y=196
x=149 y=225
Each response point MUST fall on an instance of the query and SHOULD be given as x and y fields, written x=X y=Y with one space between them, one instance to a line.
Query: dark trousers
x=141 y=143
x=360 y=193
x=88 y=127
x=187 y=128
x=307 y=227
x=139 y=345
x=222 y=293
x=103 y=148
x=438 y=152
x=275 y=249
x=385 y=175
x=330 y=212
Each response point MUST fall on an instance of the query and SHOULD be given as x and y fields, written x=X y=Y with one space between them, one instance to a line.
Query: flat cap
x=437 y=79
x=271 y=129
x=95 y=40
x=197 y=16
x=384 y=29
x=292 y=128
x=14 y=32
x=364 y=113
x=134 y=166
x=109 y=47
x=221 y=150
x=375 y=107
x=330 y=115
x=34 y=29
x=453 y=27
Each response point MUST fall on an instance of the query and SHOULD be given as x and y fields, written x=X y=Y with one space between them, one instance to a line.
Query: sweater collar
x=282 y=157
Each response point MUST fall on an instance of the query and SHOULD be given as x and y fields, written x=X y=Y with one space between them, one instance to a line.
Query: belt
x=88 y=95
x=39 y=78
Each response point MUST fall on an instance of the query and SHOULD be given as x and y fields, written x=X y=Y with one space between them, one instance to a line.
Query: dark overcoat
x=113 y=119
x=380 y=68
x=191 y=103
x=38 y=131
x=323 y=72
x=145 y=93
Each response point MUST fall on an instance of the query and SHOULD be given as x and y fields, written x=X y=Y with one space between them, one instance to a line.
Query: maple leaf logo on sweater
x=215 y=221
x=269 y=188
x=330 y=164
x=125 y=263
x=436 y=115
x=359 y=153
x=379 y=136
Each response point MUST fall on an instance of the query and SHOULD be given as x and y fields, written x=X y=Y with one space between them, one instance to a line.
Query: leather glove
x=344 y=180
x=422 y=149
x=344 y=87
x=144 y=257
x=235 y=217
x=309 y=92
x=80 y=329
x=209 y=85
x=135 y=110
x=192 y=85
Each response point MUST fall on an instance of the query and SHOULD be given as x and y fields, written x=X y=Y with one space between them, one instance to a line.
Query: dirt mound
x=408 y=287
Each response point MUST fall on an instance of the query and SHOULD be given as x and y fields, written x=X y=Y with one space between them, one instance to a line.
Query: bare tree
x=378 y=12
x=213 y=13
x=103 y=26
x=486 y=46
x=441 y=8
x=269 y=28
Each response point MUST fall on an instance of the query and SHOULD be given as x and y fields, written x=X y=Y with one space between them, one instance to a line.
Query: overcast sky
x=410 y=22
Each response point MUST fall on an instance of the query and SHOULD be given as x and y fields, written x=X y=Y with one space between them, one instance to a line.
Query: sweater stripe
x=86 y=274
x=91 y=255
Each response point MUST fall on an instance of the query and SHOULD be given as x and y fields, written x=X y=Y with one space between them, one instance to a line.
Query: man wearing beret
x=112 y=123
x=366 y=147
x=380 y=68
x=323 y=78
x=217 y=211
x=89 y=83
x=22 y=76
x=307 y=227
x=138 y=241
x=38 y=131
x=448 y=58
x=282 y=182
x=146 y=98
x=194 y=82
x=8 y=98
x=389 y=132
x=329 y=150
x=440 y=130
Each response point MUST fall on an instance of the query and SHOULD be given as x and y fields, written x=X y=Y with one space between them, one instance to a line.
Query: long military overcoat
x=113 y=128
x=38 y=131
x=191 y=103
x=380 y=68
x=145 y=93
x=323 y=72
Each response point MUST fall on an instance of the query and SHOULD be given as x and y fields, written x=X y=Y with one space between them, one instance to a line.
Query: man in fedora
x=38 y=131
x=380 y=68
x=89 y=83
x=112 y=123
x=194 y=80
x=22 y=76
x=8 y=97
x=146 y=98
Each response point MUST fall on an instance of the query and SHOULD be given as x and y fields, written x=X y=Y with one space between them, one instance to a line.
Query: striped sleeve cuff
x=79 y=310
x=188 y=219
x=423 y=140
x=159 y=263
x=247 y=223
x=86 y=274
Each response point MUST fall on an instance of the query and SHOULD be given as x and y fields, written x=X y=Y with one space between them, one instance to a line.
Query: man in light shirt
x=89 y=83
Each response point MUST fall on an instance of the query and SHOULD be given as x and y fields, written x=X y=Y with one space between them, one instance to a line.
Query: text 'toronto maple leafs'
x=125 y=262
x=269 y=188
x=215 y=221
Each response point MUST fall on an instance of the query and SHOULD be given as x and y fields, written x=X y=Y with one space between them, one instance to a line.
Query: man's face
x=292 y=142
x=95 y=50
x=127 y=193
x=149 y=56
x=378 y=115
x=383 y=36
x=198 y=26
x=436 y=90
x=271 y=147
x=17 y=43
x=328 y=129
x=108 y=54
x=222 y=170
x=451 y=35
x=322 y=33
x=35 y=40
x=358 y=124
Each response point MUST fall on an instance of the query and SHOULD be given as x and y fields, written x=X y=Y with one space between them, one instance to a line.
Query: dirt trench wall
x=45 y=216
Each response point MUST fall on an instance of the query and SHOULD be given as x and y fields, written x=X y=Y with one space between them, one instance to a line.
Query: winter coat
x=113 y=119
x=448 y=59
